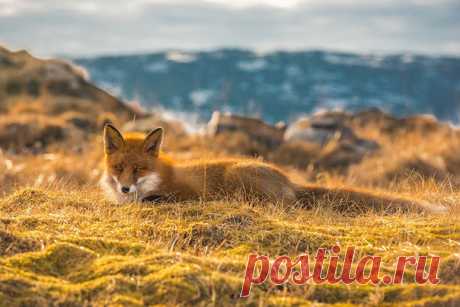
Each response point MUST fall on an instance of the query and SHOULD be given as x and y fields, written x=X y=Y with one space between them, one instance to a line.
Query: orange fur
x=140 y=156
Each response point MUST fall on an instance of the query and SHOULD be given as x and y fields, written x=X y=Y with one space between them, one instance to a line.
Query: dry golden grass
x=411 y=156
x=72 y=247
x=63 y=244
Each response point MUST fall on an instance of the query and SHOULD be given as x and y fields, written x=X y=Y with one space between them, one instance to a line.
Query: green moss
x=449 y=271
x=72 y=249
x=57 y=260
x=104 y=246
x=11 y=244
x=338 y=293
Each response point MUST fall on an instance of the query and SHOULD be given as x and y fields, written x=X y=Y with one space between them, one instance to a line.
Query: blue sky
x=53 y=27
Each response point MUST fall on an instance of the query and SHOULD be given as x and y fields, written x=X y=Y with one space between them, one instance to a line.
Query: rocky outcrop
x=56 y=85
x=392 y=126
x=256 y=129
x=151 y=122
x=324 y=128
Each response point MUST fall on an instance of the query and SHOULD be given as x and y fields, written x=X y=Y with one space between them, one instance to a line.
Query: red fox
x=136 y=170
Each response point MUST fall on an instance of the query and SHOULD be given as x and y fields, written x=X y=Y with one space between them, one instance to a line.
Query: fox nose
x=125 y=190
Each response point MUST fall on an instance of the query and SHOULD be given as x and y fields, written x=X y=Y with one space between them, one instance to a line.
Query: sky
x=86 y=28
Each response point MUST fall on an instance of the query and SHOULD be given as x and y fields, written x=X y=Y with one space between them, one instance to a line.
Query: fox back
x=135 y=170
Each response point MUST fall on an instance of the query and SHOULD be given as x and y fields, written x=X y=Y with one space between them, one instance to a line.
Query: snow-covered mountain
x=282 y=85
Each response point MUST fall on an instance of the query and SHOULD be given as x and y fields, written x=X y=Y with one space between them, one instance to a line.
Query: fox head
x=133 y=166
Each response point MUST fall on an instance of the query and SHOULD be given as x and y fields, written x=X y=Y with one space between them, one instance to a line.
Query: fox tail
x=357 y=201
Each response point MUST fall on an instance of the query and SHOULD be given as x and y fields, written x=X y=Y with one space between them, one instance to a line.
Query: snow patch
x=114 y=89
x=180 y=57
x=200 y=97
x=191 y=121
x=288 y=91
x=293 y=71
x=353 y=60
x=330 y=89
x=407 y=58
x=254 y=65
x=157 y=67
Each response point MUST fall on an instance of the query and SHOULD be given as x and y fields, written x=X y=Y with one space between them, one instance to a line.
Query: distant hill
x=49 y=102
x=282 y=85
x=51 y=87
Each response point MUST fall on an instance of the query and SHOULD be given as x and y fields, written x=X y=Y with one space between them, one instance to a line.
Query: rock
x=30 y=133
x=326 y=127
x=149 y=123
x=81 y=121
x=256 y=129
x=329 y=130
x=340 y=157
x=393 y=126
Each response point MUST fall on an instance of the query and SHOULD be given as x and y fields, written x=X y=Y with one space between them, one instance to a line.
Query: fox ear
x=153 y=141
x=113 y=140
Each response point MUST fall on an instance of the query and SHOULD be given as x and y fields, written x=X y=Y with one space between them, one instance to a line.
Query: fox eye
x=138 y=169
x=118 y=168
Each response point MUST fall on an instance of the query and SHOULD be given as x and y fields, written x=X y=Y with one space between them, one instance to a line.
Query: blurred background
x=322 y=87
x=273 y=59
x=336 y=93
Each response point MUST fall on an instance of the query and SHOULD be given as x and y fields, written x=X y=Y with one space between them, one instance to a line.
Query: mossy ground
x=62 y=244
x=74 y=248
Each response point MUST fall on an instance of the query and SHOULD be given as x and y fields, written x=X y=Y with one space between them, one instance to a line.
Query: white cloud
x=83 y=27
x=452 y=47
x=180 y=57
x=248 y=3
